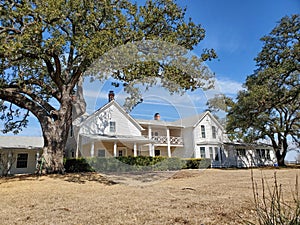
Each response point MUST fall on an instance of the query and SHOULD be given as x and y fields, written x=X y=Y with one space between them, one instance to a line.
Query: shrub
x=131 y=164
x=270 y=206
x=197 y=163
x=77 y=165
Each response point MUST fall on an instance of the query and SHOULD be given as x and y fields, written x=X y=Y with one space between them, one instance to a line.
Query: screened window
x=211 y=153
x=101 y=153
x=112 y=126
x=22 y=160
x=214 y=132
x=203 y=131
x=202 y=152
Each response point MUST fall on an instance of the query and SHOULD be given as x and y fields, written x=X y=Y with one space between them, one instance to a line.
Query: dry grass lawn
x=209 y=196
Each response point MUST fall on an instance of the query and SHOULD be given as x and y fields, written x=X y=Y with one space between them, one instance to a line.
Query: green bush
x=131 y=164
x=77 y=165
x=199 y=163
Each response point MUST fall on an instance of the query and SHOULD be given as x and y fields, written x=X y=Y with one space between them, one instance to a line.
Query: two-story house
x=111 y=132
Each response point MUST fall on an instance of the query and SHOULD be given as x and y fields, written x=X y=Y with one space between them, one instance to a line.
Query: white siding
x=208 y=122
x=188 y=140
x=99 y=124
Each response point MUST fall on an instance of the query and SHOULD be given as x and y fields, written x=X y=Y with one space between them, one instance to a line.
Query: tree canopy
x=47 y=46
x=269 y=106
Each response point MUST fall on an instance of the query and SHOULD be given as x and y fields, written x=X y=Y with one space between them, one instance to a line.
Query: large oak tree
x=47 y=46
x=269 y=107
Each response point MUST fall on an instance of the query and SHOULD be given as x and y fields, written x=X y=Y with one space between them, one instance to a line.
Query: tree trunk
x=55 y=132
x=280 y=155
x=280 y=158
x=53 y=151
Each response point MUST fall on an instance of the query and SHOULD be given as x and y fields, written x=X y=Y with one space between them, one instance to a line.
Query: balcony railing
x=164 y=140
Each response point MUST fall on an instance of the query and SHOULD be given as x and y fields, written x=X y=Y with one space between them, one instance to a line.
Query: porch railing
x=164 y=140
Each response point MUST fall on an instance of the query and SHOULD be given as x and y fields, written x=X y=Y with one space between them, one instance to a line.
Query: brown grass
x=187 y=197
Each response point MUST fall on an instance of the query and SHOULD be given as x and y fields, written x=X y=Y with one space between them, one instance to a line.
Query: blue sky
x=233 y=29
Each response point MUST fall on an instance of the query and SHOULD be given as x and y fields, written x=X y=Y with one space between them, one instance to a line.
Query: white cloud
x=229 y=87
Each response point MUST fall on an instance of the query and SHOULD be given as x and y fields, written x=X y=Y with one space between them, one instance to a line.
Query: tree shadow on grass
x=80 y=178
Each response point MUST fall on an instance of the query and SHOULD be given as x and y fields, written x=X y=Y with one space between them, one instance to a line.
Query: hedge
x=129 y=163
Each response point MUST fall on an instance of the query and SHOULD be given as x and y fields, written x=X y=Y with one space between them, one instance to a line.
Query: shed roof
x=21 y=142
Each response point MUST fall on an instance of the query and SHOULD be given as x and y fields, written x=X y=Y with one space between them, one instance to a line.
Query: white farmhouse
x=111 y=132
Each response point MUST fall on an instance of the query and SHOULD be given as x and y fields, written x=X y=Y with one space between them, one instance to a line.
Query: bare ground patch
x=184 y=197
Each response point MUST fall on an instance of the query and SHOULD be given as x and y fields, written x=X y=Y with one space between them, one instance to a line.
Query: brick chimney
x=156 y=116
x=111 y=96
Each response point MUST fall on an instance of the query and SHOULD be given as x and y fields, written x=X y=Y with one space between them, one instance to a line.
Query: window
x=202 y=152
x=112 y=126
x=202 y=131
x=22 y=160
x=120 y=152
x=214 y=132
x=268 y=154
x=211 y=153
x=241 y=152
x=155 y=135
x=101 y=153
x=261 y=153
x=157 y=152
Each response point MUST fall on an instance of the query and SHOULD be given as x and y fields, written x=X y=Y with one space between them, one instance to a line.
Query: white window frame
x=112 y=126
x=211 y=152
x=203 y=132
x=214 y=132
x=202 y=152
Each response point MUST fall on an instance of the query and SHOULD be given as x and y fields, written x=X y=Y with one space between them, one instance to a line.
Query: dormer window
x=214 y=132
x=203 y=131
x=112 y=126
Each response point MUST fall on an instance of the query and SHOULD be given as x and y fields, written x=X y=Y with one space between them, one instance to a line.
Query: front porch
x=111 y=146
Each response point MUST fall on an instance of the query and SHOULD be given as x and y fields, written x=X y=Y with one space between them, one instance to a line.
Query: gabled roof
x=189 y=121
x=108 y=105
x=21 y=142
x=193 y=121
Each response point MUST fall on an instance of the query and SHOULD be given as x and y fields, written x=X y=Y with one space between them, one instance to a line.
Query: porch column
x=168 y=142
x=134 y=150
x=10 y=155
x=92 y=149
x=150 y=137
x=115 y=149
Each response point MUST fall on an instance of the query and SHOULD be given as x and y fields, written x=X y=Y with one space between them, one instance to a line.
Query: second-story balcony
x=164 y=140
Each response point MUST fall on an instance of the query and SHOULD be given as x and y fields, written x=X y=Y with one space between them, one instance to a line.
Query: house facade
x=19 y=154
x=111 y=132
